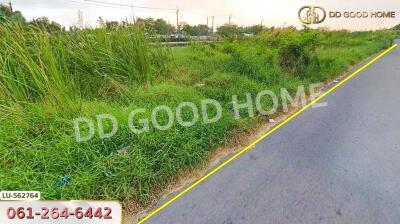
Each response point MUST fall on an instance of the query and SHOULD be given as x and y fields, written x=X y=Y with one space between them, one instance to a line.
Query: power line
x=88 y=3
x=129 y=6
x=145 y=7
x=115 y=5
x=126 y=6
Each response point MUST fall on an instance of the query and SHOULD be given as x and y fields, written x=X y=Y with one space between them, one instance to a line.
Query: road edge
x=331 y=88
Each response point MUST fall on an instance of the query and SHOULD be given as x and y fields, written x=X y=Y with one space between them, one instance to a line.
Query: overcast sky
x=244 y=12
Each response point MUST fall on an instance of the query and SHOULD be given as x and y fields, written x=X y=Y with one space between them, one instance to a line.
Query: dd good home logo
x=312 y=14
x=360 y=15
x=316 y=14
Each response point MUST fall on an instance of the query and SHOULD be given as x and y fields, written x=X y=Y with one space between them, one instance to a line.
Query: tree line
x=149 y=25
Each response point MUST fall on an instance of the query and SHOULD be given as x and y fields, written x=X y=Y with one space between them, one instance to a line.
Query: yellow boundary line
x=247 y=148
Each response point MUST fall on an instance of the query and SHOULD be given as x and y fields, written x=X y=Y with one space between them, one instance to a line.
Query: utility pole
x=230 y=17
x=80 y=19
x=177 y=21
x=212 y=22
x=133 y=14
x=207 y=21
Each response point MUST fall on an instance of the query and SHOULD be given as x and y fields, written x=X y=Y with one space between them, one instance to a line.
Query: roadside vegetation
x=49 y=78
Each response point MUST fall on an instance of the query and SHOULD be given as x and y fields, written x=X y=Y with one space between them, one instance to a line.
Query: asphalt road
x=335 y=164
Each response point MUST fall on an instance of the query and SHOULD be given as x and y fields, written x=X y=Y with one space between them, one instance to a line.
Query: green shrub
x=294 y=59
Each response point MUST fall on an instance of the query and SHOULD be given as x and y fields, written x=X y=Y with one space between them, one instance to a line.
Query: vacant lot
x=47 y=80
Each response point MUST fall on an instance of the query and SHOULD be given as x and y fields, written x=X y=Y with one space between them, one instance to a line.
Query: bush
x=294 y=59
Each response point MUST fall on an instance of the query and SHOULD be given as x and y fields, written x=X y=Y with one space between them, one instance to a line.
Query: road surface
x=335 y=164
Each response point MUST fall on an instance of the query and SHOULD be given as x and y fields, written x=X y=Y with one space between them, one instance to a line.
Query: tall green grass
x=65 y=66
x=46 y=79
x=30 y=69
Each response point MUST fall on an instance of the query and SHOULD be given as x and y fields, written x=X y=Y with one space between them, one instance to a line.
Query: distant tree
x=162 y=27
x=7 y=14
x=73 y=28
x=112 y=25
x=228 y=30
x=101 y=22
x=45 y=24
x=198 y=30
x=202 y=30
x=256 y=29
x=397 y=27
x=146 y=25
